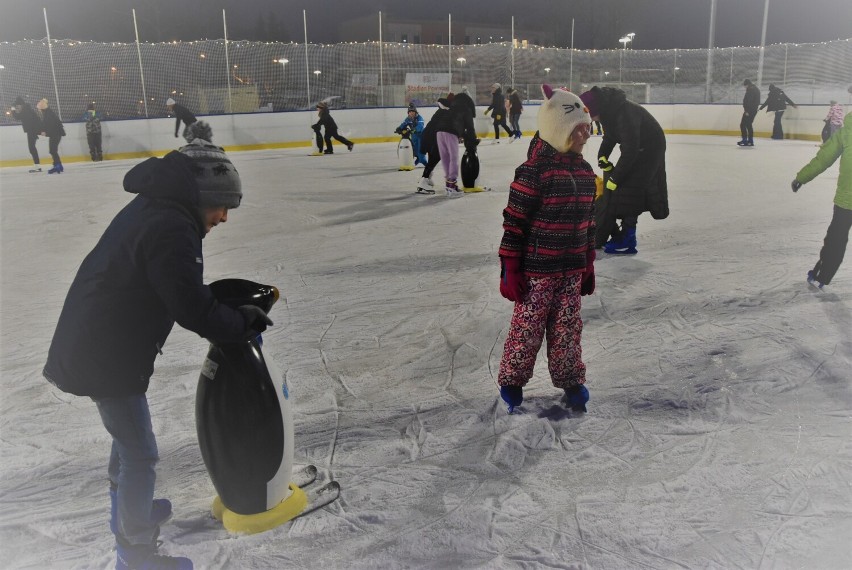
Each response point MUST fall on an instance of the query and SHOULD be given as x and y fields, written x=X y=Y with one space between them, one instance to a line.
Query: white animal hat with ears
x=559 y=115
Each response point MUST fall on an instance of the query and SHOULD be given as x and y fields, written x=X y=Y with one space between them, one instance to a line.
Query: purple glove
x=587 y=286
x=513 y=284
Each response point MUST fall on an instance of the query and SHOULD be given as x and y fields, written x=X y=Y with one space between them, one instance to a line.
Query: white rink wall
x=155 y=137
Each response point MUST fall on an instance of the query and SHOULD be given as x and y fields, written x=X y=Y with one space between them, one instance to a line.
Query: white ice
x=718 y=431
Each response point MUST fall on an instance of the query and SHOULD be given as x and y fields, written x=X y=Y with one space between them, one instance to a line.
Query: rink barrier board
x=142 y=138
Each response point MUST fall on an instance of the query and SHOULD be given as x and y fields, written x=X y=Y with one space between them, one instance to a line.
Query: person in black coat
x=182 y=115
x=429 y=147
x=637 y=183
x=777 y=101
x=145 y=274
x=497 y=108
x=31 y=123
x=52 y=128
x=324 y=119
x=751 y=100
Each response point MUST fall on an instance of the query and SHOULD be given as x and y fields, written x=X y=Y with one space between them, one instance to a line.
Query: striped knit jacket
x=835 y=115
x=550 y=219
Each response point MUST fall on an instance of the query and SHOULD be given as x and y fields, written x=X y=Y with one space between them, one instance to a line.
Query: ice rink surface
x=718 y=433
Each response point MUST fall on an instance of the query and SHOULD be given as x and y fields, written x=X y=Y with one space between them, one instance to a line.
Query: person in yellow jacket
x=834 y=246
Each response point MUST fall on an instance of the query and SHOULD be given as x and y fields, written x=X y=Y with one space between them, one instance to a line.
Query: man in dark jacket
x=751 y=100
x=638 y=182
x=777 y=102
x=145 y=274
x=31 y=124
x=497 y=108
x=182 y=114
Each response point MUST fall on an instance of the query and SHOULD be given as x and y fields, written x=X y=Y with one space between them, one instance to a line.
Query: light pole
x=317 y=73
x=674 y=82
x=283 y=61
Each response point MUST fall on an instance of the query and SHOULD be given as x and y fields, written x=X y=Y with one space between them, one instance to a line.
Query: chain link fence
x=130 y=80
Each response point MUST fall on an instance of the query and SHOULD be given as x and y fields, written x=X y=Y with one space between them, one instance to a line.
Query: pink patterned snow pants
x=552 y=306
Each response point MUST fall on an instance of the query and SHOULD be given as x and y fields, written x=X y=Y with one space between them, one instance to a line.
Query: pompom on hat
x=218 y=181
x=170 y=101
x=559 y=115
x=590 y=100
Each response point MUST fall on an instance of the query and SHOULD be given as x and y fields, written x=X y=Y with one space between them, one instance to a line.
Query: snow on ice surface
x=718 y=432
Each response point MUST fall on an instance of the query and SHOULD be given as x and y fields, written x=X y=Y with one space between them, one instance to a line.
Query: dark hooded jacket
x=50 y=124
x=641 y=169
x=751 y=99
x=144 y=274
x=182 y=114
x=324 y=120
x=776 y=100
x=498 y=104
x=549 y=221
x=30 y=121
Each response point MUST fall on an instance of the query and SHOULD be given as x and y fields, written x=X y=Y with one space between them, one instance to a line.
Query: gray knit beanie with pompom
x=218 y=180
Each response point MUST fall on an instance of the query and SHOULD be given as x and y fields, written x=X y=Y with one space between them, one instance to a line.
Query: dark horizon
x=658 y=24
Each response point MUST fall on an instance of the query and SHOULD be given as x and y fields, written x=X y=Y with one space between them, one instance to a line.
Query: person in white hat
x=497 y=108
x=182 y=114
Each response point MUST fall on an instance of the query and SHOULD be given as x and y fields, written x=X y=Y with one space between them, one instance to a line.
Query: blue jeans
x=131 y=464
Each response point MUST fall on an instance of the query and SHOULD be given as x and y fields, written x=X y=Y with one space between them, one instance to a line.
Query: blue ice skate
x=624 y=245
x=513 y=396
x=145 y=557
x=576 y=397
x=813 y=281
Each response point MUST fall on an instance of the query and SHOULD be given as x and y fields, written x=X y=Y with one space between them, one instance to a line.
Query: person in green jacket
x=834 y=246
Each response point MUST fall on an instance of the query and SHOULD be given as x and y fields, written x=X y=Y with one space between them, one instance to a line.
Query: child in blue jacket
x=412 y=127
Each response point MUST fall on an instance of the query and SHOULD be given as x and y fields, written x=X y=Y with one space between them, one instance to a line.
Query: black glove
x=255 y=318
x=795 y=185
x=398 y=131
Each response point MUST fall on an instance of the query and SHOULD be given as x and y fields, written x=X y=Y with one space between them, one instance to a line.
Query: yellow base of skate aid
x=286 y=510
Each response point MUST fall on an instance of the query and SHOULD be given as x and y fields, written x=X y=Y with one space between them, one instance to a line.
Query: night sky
x=658 y=24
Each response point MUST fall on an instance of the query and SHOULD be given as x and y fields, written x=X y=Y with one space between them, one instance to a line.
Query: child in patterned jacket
x=547 y=252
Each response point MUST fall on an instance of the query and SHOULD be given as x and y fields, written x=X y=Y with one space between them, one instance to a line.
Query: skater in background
x=324 y=120
x=497 y=108
x=547 y=253
x=751 y=102
x=429 y=145
x=463 y=98
x=637 y=183
x=777 y=101
x=412 y=127
x=31 y=124
x=596 y=124
x=837 y=236
x=447 y=135
x=514 y=107
x=834 y=120
x=93 y=133
x=451 y=128
x=143 y=275
x=53 y=129
x=182 y=114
